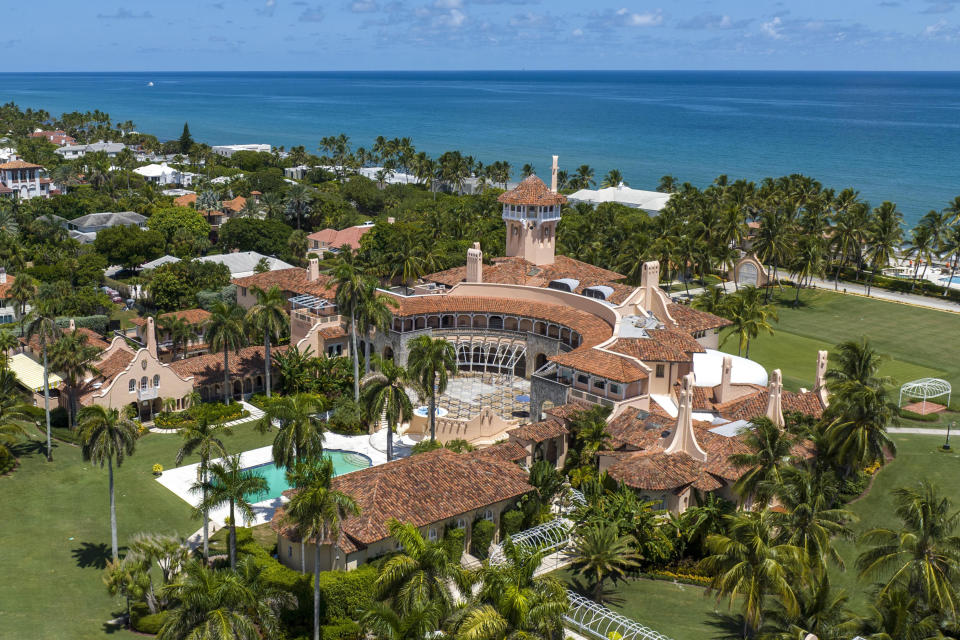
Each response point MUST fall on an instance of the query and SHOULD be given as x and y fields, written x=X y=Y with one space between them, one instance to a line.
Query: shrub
x=426 y=445
x=453 y=543
x=511 y=522
x=344 y=593
x=65 y=434
x=145 y=622
x=483 y=531
x=7 y=461
x=259 y=400
x=59 y=418
x=341 y=629
x=98 y=323
x=919 y=417
x=853 y=486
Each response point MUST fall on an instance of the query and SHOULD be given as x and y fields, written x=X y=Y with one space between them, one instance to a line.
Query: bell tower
x=531 y=212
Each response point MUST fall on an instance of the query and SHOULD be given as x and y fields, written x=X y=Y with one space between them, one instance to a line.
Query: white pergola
x=596 y=621
x=925 y=389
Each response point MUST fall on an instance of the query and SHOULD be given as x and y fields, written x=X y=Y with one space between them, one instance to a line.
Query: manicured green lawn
x=55 y=533
x=919 y=341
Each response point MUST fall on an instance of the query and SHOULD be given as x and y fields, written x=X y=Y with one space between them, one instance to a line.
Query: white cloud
x=649 y=19
x=773 y=28
x=363 y=6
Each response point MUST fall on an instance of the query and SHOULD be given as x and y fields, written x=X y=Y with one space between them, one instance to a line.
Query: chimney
x=724 y=390
x=649 y=280
x=553 y=174
x=152 y=337
x=820 y=386
x=775 y=401
x=313 y=271
x=73 y=325
x=3 y=276
x=683 y=439
x=475 y=263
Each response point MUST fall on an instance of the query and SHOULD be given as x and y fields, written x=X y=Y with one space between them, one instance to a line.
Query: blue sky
x=178 y=35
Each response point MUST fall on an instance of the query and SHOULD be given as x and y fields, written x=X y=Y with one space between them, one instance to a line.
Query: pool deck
x=179 y=479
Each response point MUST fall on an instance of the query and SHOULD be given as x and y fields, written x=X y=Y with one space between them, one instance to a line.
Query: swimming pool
x=423 y=412
x=953 y=280
x=343 y=462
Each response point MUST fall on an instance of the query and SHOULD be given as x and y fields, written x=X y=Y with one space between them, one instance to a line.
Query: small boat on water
x=149 y=84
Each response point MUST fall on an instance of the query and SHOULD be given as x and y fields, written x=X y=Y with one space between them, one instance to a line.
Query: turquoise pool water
x=343 y=462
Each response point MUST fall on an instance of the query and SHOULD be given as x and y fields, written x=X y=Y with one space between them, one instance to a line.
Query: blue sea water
x=892 y=136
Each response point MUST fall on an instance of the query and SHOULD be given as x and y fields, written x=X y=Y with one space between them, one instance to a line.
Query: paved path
x=923 y=432
x=255 y=414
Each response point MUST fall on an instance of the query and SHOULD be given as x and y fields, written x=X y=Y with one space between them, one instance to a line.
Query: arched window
x=156 y=380
x=461 y=523
x=143 y=382
x=488 y=515
x=133 y=386
x=432 y=534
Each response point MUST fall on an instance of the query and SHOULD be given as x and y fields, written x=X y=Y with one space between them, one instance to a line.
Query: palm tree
x=430 y=361
x=584 y=177
x=180 y=331
x=107 y=436
x=73 y=358
x=219 y=604
x=922 y=558
x=614 y=178
x=855 y=362
x=920 y=247
x=200 y=437
x=43 y=325
x=769 y=453
x=8 y=342
x=16 y=416
x=884 y=239
x=750 y=316
x=316 y=511
x=809 y=521
x=229 y=483
x=423 y=571
x=898 y=614
x=821 y=611
x=22 y=291
x=512 y=603
x=224 y=330
x=385 y=394
x=384 y=623
x=748 y=566
x=601 y=552
x=268 y=316
x=591 y=433
x=299 y=201
x=300 y=437
x=373 y=312
x=349 y=285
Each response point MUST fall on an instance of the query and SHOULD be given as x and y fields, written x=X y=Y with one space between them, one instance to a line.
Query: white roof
x=622 y=194
x=155 y=170
x=708 y=369
x=243 y=263
x=153 y=264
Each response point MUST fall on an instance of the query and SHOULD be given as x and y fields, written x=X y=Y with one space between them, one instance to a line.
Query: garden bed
x=215 y=413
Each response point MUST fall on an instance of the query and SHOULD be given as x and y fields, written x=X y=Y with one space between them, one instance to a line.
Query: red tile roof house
x=24 y=180
x=432 y=491
x=331 y=239
x=59 y=138
x=197 y=345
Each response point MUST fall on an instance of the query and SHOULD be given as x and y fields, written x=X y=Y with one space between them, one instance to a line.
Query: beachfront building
x=160 y=174
x=649 y=201
x=24 y=180
x=75 y=151
x=435 y=491
x=227 y=150
x=59 y=138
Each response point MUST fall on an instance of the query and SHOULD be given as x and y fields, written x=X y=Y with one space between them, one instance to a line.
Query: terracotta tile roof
x=690 y=319
x=20 y=164
x=332 y=333
x=293 y=281
x=539 y=431
x=591 y=328
x=703 y=397
x=185 y=200
x=5 y=287
x=114 y=363
x=423 y=489
x=755 y=404
x=334 y=239
x=568 y=410
x=208 y=368
x=519 y=271
x=5 y=189
x=94 y=339
x=56 y=137
x=601 y=363
x=661 y=472
x=505 y=451
x=663 y=345
x=236 y=205
x=192 y=316
x=532 y=191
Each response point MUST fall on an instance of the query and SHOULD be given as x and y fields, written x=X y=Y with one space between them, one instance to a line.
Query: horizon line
x=745 y=70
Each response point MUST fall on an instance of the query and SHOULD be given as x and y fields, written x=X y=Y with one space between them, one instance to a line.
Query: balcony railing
x=148 y=393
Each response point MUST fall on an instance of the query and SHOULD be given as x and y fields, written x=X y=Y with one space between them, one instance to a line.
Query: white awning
x=30 y=373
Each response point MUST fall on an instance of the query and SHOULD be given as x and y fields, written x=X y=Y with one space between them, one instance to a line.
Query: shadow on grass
x=729 y=626
x=608 y=596
x=30 y=449
x=119 y=623
x=93 y=554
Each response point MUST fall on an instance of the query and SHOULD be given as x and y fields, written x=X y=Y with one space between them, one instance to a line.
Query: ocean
x=891 y=136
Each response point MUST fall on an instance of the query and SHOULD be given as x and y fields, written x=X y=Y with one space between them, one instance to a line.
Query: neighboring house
x=227 y=150
x=59 y=138
x=23 y=180
x=85 y=228
x=434 y=491
x=649 y=201
x=240 y=263
x=161 y=174
x=215 y=217
x=74 y=151
x=197 y=345
x=332 y=240
x=8 y=308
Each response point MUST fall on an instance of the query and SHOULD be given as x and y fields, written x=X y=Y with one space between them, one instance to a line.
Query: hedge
x=99 y=323
x=919 y=417
x=453 y=543
x=342 y=629
x=511 y=522
x=482 y=537
x=145 y=622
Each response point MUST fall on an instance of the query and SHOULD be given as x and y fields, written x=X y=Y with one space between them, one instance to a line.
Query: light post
x=946 y=444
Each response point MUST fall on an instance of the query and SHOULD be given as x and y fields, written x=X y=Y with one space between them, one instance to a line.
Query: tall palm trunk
x=113 y=513
x=316 y=588
x=433 y=411
x=226 y=376
x=953 y=268
x=356 y=358
x=46 y=406
x=206 y=513
x=233 y=538
x=266 y=351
